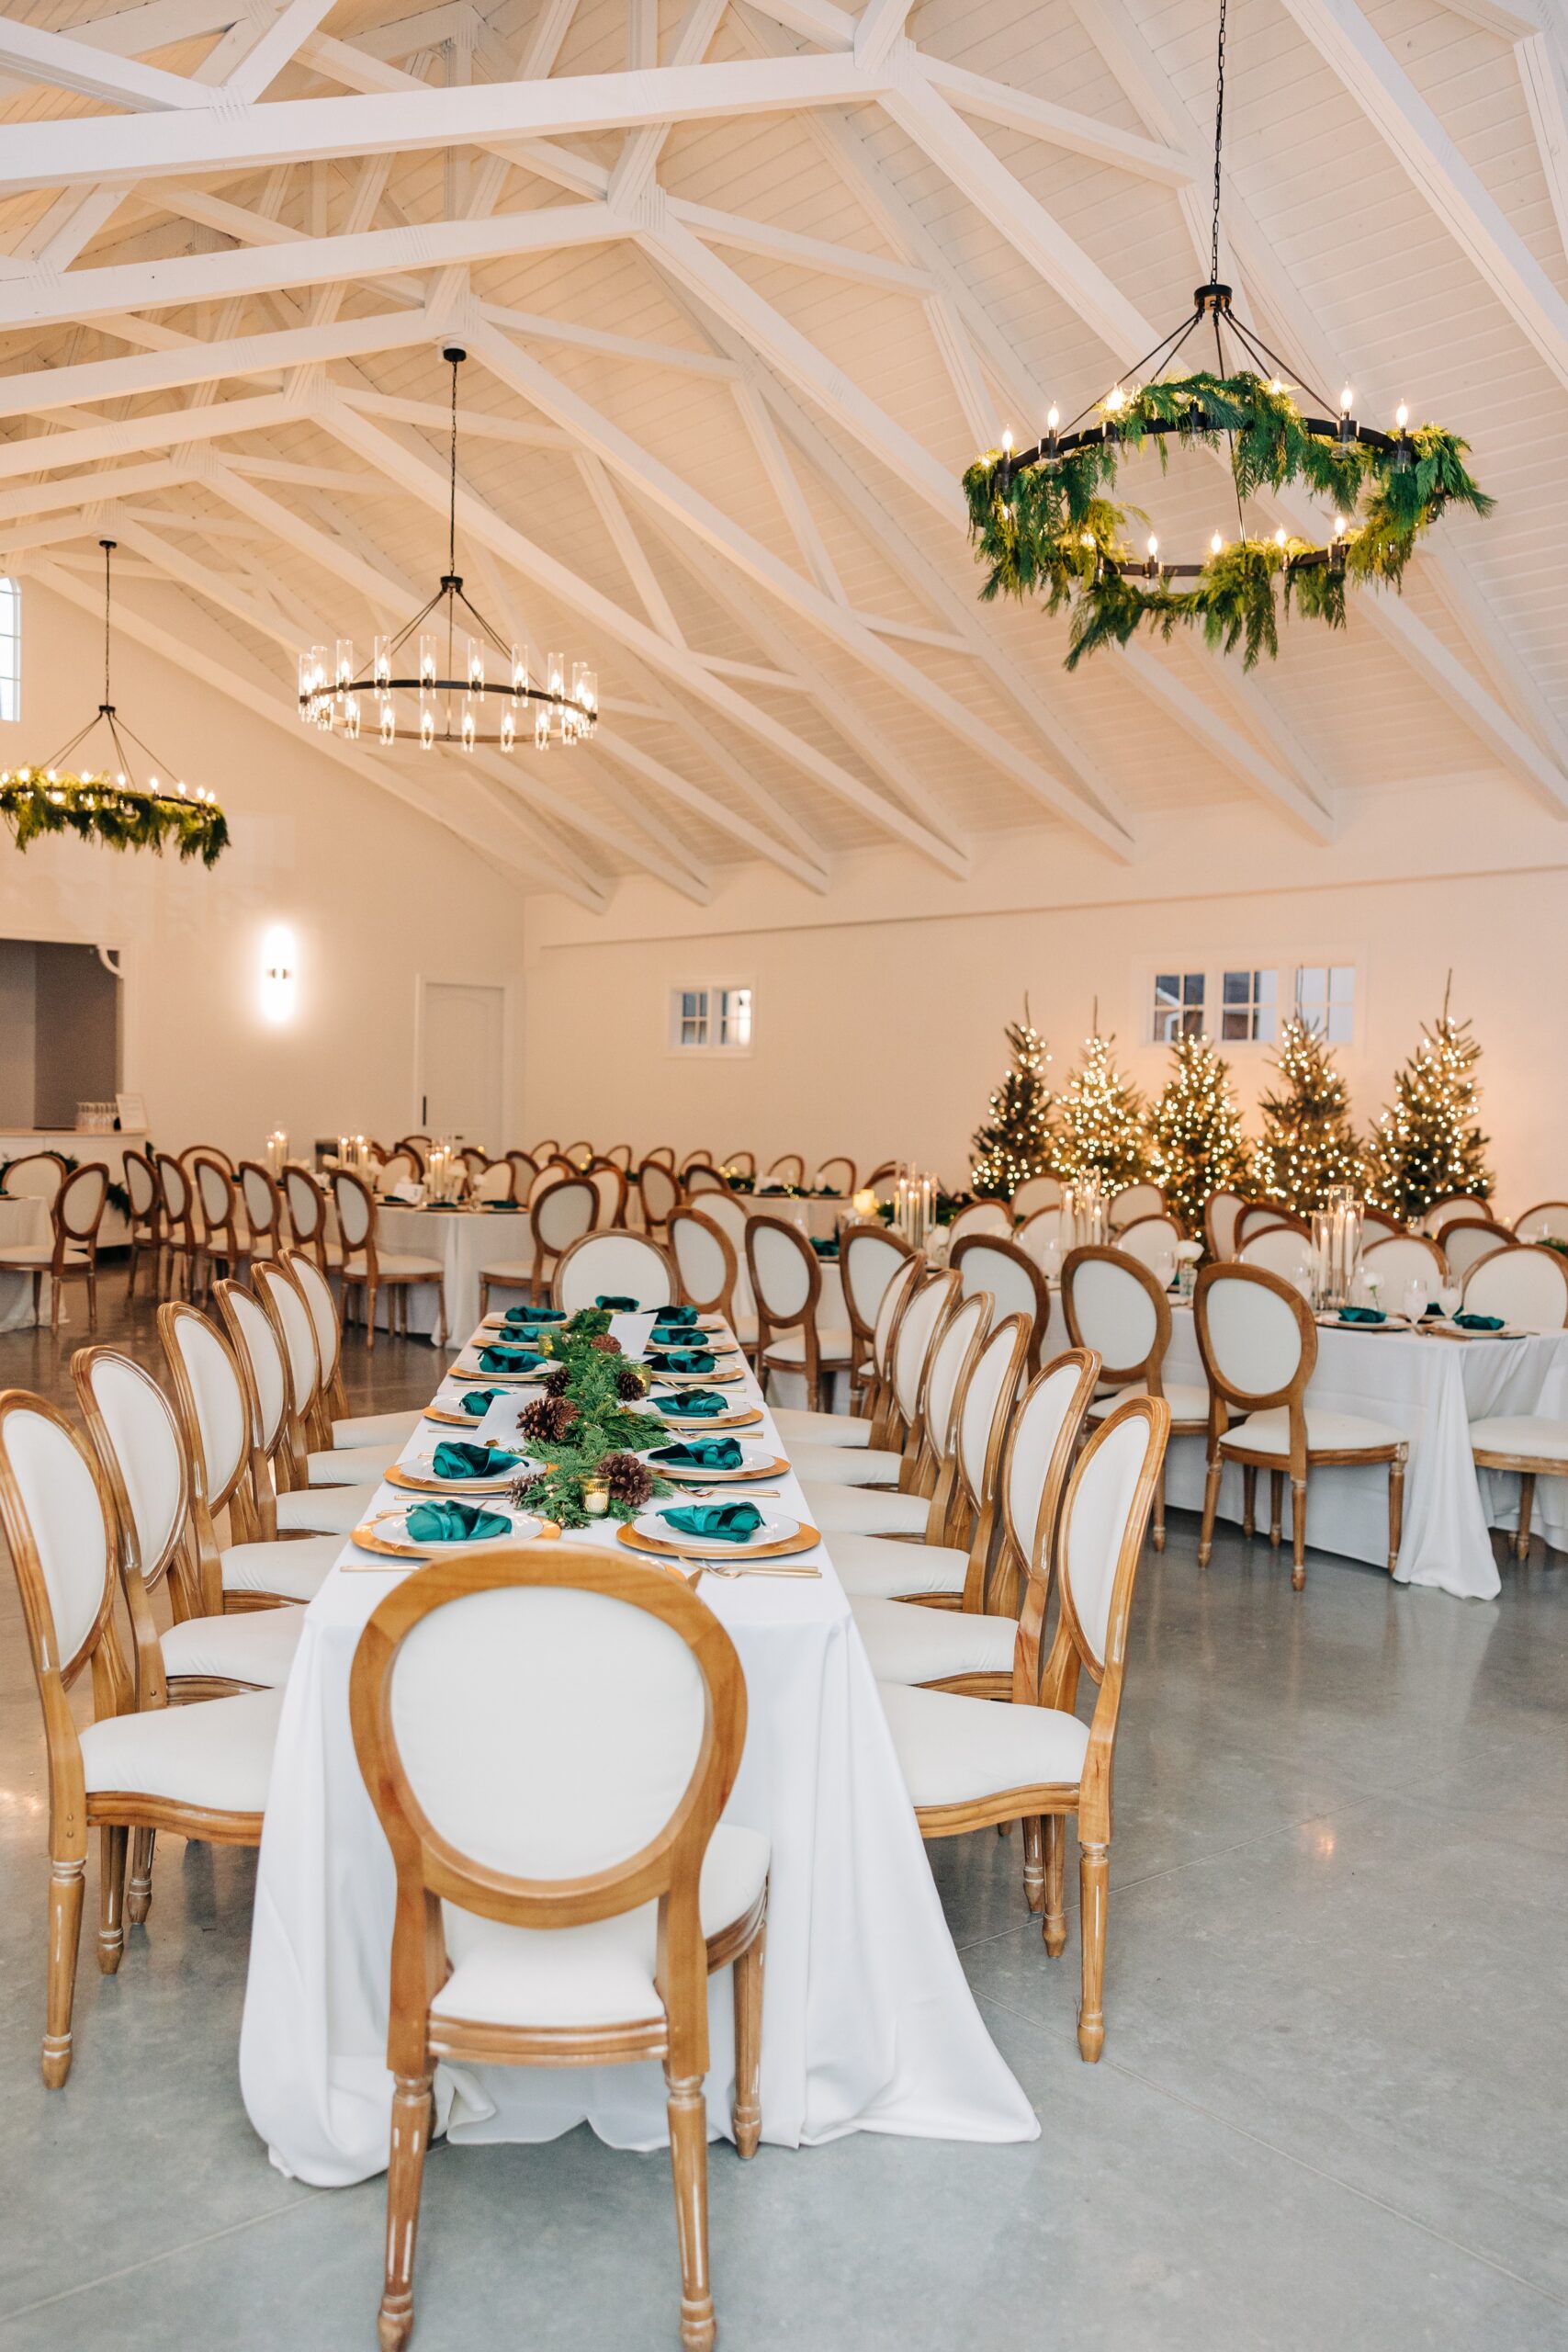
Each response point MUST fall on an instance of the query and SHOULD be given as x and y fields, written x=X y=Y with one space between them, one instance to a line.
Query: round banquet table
x=868 y=2022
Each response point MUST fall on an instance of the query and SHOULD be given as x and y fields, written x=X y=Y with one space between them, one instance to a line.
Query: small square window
x=1178 y=1006
x=710 y=1021
x=735 y=1017
x=1326 y=999
x=692 y=1017
x=10 y=649
x=1250 y=1009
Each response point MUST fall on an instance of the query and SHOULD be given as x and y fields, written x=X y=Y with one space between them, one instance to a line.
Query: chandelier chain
x=1219 y=134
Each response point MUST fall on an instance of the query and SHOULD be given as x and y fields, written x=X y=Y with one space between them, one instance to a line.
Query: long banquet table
x=868 y=2020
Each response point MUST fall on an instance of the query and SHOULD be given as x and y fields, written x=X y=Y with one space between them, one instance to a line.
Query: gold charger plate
x=804 y=1539
x=452 y=1421
x=496 y=1483
x=689 y=1379
x=746 y=1474
x=514 y=1379
x=721 y=1424
x=532 y=1531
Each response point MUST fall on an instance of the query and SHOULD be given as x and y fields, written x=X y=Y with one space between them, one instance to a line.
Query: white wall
x=373 y=894
x=879 y=1009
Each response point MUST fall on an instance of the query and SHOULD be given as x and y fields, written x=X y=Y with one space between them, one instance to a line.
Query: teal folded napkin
x=454 y=1522
x=616 y=1304
x=698 y=1402
x=1362 y=1315
x=824 y=1247
x=453 y=1459
x=477 y=1402
x=536 y=1314
x=509 y=1359
x=715 y=1522
x=678 y=1360
x=1479 y=1322
x=700 y=1454
x=682 y=1316
x=677 y=1335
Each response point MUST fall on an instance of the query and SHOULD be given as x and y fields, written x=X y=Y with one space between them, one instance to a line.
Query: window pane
x=1192 y=1021
x=1340 y=1022
x=1265 y=990
x=692 y=1016
x=1193 y=988
x=1235 y=1023
x=10 y=649
x=735 y=1017
x=1239 y=989
x=1342 y=983
x=1311 y=984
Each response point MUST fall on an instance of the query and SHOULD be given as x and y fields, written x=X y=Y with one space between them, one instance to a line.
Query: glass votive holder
x=595 y=1495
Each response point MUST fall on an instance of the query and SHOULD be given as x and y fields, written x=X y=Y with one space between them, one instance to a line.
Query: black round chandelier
x=462 y=684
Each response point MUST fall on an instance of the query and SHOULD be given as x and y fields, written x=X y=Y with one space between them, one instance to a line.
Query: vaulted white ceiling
x=745 y=283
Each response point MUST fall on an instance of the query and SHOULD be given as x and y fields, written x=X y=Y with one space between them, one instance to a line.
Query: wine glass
x=1451 y=1297
x=1414 y=1299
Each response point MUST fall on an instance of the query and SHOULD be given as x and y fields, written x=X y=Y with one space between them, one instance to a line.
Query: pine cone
x=548 y=1419
x=631 y=1482
x=558 y=1382
x=605 y=1345
x=630 y=1386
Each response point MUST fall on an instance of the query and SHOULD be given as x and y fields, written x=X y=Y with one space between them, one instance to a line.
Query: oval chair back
x=789 y=1167
x=728 y=1211
x=579 y=1155
x=526 y=1167
x=1467 y=1239
x=703 y=1159
x=1455 y=1205
x=414 y=1148
x=178 y=1203
x=306 y=1206
x=705 y=1262
x=264 y=1207
x=1526 y=1285
x=665 y=1153
x=317 y=1293
x=1042 y=1440
x=294 y=1328
x=1042 y=1236
x=1153 y=1241
x=870 y=1254
x=743 y=1163
x=356 y=1206
x=1036 y=1192
x=146 y=1219
x=703 y=1179
x=1548 y=1221
x=400 y=1166
x=1282 y=1248
x=610 y=1186
x=786 y=1284
x=920 y=1330
x=35 y=1176
x=546 y=1151
x=1256 y=1217
x=496 y=1181
x=902 y=1284
x=981 y=1414
x=981 y=1216
x=1014 y=1281
x=220 y=1206
x=1259 y=1343
x=957 y=1346
x=278 y=1463
x=1116 y=1308
x=660 y=1193
x=613 y=1265
x=1220 y=1211
x=1132 y=1202
x=1404 y=1259
x=621 y=1154
x=79 y=1205
x=217 y=1421
x=136 y=1437
x=834 y=1175
x=562 y=1213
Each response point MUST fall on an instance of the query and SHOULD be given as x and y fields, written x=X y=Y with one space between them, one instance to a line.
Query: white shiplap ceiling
x=745 y=283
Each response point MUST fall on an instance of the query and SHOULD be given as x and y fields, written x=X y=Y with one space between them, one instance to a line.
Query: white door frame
x=449 y=979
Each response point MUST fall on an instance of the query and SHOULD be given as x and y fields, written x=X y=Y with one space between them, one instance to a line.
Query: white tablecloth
x=1430 y=1390
x=868 y=2022
x=815 y=1213
x=460 y=1241
x=22 y=1220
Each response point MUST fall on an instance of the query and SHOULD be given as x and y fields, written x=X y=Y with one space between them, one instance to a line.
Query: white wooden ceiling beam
x=879 y=31
x=533 y=327
x=42 y=452
x=293 y=25
x=1545 y=83
x=632 y=174
x=33 y=391
x=793 y=501
x=770 y=242
x=690 y=797
x=1079 y=134
x=1196 y=715
x=1370 y=74
x=66 y=64
x=629 y=547
x=84 y=489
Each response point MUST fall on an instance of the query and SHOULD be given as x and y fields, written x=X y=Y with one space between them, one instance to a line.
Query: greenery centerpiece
x=584 y=1427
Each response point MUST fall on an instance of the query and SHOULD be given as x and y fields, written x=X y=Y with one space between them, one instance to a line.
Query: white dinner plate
x=756 y=1462
x=421 y=1472
x=388 y=1531
x=775 y=1529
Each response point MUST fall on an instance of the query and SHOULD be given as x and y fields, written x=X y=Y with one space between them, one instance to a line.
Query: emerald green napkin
x=477 y=1402
x=677 y=1335
x=1479 y=1322
x=700 y=1454
x=715 y=1522
x=824 y=1248
x=1362 y=1315
x=453 y=1459
x=677 y=1360
x=699 y=1402
x=454 y=1522
x=616 y=1304
x=536 y=1314
x=682 y=1316
x=509 y=1359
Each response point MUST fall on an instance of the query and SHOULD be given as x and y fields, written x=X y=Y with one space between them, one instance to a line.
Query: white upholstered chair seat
x=375 y=1428
x=38 y=1253
x=841 y=1429
x=876 y=1565
x=217 y=1755
x=865 y=1510
x=953 y=1749
x=509 y=1270
x=908 y=1644
x=293 y=1571
x=327 y=1510
x=833 y=1347
x=1326 y=1432
x=844 y=1465
x=598 y=1975
x=350 y=1465
x=1527 y=1433
x=1189 y=1401
x=253 y=1645
x=402 y=1262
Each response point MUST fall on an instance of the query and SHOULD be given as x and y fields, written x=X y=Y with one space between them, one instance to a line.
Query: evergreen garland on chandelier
x=1045 y=523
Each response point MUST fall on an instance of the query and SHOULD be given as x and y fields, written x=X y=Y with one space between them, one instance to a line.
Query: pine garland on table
x=1103 y=1116
x=1427 y=1142
x=1196 y=1144
x=1307 y=1143
x=1018 y=1140
x=581 y=1428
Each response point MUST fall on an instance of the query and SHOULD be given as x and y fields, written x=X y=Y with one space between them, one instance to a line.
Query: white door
x=462 y=1062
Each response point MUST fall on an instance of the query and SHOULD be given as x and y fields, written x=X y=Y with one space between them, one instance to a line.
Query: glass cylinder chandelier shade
x=446 y=677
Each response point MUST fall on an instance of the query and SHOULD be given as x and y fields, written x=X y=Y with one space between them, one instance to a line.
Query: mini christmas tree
x=1101 y=1119
x=1196 y=1144
x=1017 y=1141
x=1308 y=1143
x=1427 y=1143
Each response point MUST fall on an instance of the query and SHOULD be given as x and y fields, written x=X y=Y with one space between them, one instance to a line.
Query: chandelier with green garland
x=107 y=804
x=1044 y=522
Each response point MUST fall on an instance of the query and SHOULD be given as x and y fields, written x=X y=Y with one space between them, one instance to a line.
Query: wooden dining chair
x=989 y=1261
x=1153 y=1241
x=613 y=1265
x=1259 y=1344
x=200 y=1770
x=1035 y=1193
x=1044 y=1236
x=414 y=1148
x=739 y=1163
x=1257 y=1215
x=620 y=1156
x=701 y=1178
x=284 y=1304
x=579 y=1155
x=1526 y=1285
x=334 y=1424
x=263 y=1204
x=786 y=1284
x=524 y=1168
x=367 y=1270
x=1548 y=1221
x=70 y=1253
x=1467 y=1239
x=609 y=1183
x=224 y=1237
x=834 y=1175
x=701 y=1159
x=1036 y=1762
x=177 y=1200
x=496 y=1180
x=1282 y=1248
x=981 y=1216
x=789 y=1169
x=1453 y=1206
x=869 y=1255
x=833 y=1475
x=144 y=1220
x=1403 y=1259
x=602 y=1718
x=707 y=1269
x=1220 y=1211
x=1132 y=1202
x=1114 y=1305
x=306 y=1201
x=289 y=1500
x=34 y=1176
x=661 y=1196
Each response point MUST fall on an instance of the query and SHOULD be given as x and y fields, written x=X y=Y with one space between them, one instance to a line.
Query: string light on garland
x=1427 y=1143
x=454 y=706
x=109 y=805
x=1017 y=1142
x=1044 y=522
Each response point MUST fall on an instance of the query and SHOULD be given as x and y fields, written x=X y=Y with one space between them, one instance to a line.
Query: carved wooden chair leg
x=1527 y=1497
x=369 y=1315
x=1033 y=1863
x=1055 y=1926
x=112 y=1843
x=687 y=2109
x=405 y=2177
x=1094 y=1880
x=1211 y=1504
x=1298 y=1532
x=139 y=1893
x=66 y=1882
x=1159 y=1512
x=1275 y=1505
x=746 y=2115
x=1249 y=1499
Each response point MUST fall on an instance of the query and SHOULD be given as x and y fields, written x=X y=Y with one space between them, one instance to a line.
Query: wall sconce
x=278 y=960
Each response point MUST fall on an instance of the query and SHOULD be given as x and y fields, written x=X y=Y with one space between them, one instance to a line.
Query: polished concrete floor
x=1331 y=2110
